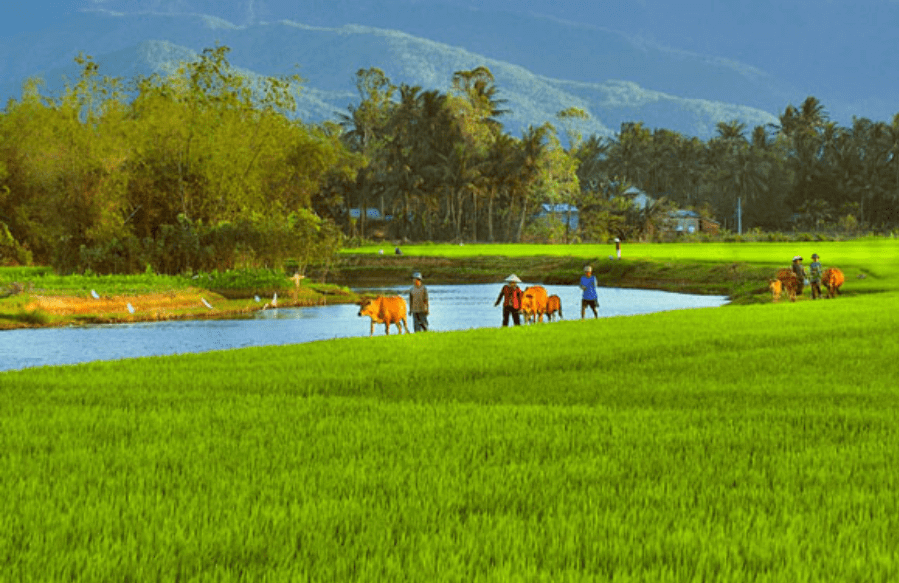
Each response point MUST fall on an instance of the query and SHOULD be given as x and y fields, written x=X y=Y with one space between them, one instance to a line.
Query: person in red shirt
x=511 y=299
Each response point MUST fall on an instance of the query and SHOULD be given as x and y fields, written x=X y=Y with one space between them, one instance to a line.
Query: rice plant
x=753 y=443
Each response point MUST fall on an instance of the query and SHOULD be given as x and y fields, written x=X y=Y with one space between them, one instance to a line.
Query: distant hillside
x=764 y=53
x=328 y=58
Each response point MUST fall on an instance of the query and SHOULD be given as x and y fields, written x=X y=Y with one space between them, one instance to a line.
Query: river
x=453 y=307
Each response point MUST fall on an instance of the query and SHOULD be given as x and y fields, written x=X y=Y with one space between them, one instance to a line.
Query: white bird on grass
x=205 y=303
x=95 y=295
x=130 y=308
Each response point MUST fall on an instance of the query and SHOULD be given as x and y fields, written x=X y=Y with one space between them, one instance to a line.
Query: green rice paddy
x=754 y=443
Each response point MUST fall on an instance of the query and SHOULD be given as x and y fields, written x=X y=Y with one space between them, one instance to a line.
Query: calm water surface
x=453 y=307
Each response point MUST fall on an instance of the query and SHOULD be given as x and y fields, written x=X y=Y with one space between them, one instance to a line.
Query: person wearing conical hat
x=419 y=307
x=799 y=270
x=510 y=296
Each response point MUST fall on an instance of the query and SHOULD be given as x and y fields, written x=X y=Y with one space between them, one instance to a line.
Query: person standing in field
x=419 y=307
x=799 y=270
x=510 y=296
x=588 y=286
x=618 y=248
x=814 y=276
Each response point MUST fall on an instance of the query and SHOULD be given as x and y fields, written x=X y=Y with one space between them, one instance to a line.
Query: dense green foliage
x=201 y=170
x=753 y=443
x=458 y=177
x=206 y=169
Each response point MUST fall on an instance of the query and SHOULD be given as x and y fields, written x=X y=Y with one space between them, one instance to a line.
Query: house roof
x=371 y=213
x=683 y=214
x=558 y=208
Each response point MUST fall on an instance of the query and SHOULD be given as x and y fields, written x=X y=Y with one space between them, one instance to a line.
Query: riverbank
x=742 y=282
x=37 y=308
x=33 y=306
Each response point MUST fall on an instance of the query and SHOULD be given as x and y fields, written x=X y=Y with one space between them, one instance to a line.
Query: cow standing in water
x=553 y=305
x=533 y=303
x=387 y=311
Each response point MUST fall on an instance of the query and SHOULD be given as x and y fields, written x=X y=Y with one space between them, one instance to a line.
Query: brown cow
x=385 y=311
x=833 y=279
x=789 y=283
x=776 y=288
x=533 y=303
x=553 y=305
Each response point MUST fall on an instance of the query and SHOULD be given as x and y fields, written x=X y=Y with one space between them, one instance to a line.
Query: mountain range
x=617 y=60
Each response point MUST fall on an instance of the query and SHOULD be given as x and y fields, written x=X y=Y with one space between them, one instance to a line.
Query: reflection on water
x=453 y=307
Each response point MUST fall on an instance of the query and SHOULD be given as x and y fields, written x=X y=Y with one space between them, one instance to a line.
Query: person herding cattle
x=814 y=276
x=510 y=296
x=418 y=304
x=799 y=270
x=588 y=285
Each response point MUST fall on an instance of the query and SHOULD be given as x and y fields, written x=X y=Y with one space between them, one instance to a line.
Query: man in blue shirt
x=588 y=284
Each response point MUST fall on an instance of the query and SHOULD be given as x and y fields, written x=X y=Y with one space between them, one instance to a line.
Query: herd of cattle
x=787 y=281
x=535 y=304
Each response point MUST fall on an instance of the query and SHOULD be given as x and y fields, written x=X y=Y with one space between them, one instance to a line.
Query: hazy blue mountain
x=841 y=51
x=674 y=66
x=327 y=58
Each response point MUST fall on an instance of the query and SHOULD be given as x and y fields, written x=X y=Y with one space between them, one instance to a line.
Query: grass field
x=37 y=297
x=755 y=443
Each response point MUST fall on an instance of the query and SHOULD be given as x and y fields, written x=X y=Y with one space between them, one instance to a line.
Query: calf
x=553 y=305
x=776 y=288
x=789 y=282
x=387 y=311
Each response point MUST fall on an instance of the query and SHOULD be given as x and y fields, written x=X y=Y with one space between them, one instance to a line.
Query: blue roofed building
x=562 y=212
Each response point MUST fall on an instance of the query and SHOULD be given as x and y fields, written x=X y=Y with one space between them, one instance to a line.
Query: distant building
x=372 y=214
x=376 y=222
x=685 y=222
x=679 y=222
x=564 y=213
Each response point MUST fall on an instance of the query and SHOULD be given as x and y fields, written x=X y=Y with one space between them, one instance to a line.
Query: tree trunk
x=524 y=214
x=490 y=217
x=474 y=230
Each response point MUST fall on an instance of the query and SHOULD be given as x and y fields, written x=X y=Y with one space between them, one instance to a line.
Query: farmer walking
x=618 y=248
x=814 y=276
x=418 y=304
x=589 y=298
x=510 y=296
x=799 y=270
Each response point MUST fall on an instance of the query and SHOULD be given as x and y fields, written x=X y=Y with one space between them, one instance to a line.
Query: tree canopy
x=208 y=168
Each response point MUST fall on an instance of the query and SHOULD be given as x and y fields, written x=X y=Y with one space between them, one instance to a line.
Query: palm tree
x=364 y=129
x=742 y=169
x=500 y=174
x=478 y=86
x=533 y=146
x=731 y=130
x=630 y=152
